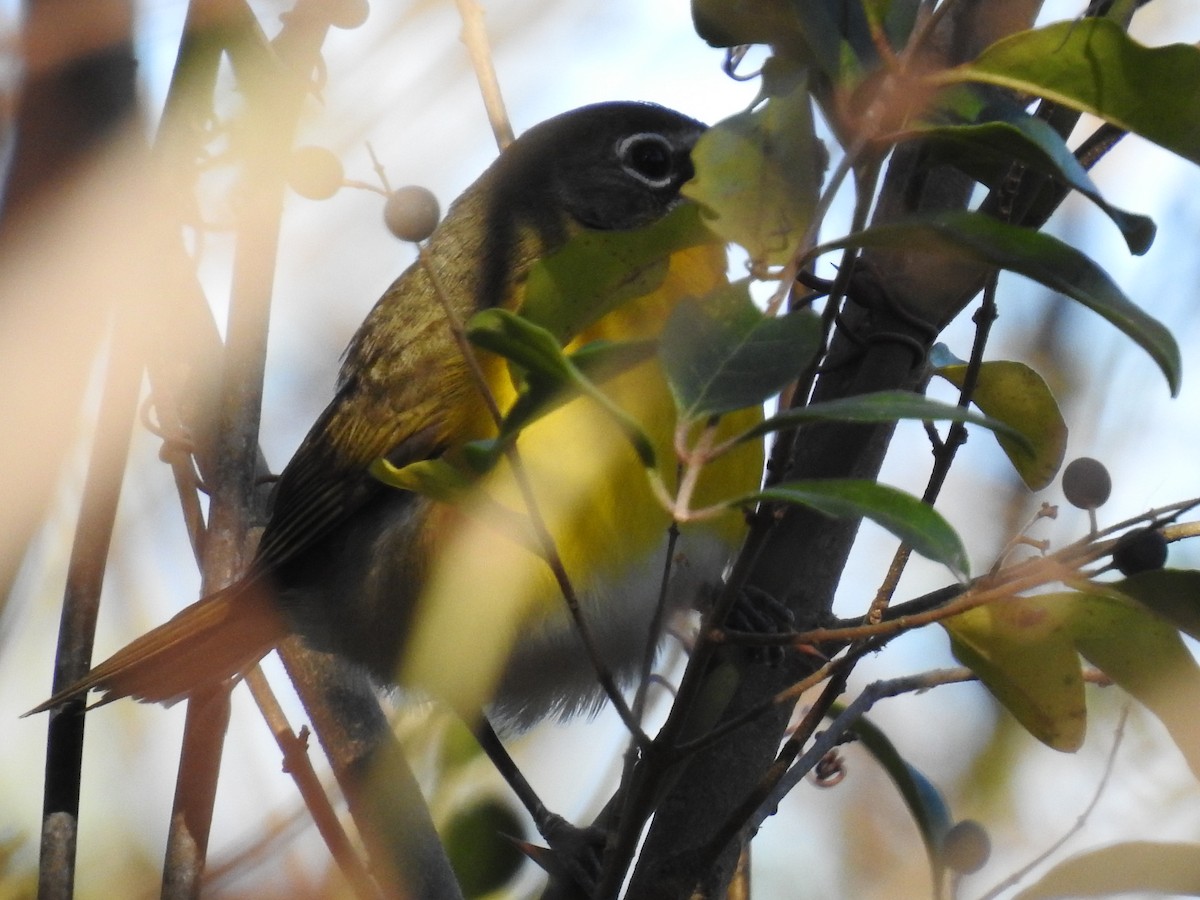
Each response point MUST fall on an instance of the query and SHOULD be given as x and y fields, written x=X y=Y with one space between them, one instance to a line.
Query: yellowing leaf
x=1015 y=394
x=1022 y=650
x=1146 y=657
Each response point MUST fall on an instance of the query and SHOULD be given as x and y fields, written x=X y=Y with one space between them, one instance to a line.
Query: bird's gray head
x=610 y=166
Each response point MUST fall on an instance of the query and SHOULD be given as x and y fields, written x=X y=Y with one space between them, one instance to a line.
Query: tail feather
x=215 y=638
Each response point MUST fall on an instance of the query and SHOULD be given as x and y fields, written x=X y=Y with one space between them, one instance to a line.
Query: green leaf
x=1094 y=66
x=1021 y=649
x=1015 y=394
x=548 y=372
x=1045 y=259
x=597 y=271
x=720 y=353
x=886 y=406
x=1142 y=867
x=757 y=176
x=1147 y=658
x=926 y=803
x=915 y=523
x=593 y=363
x=1173 y=594
x=518 y=340
x=816 y=32
x=986 y=151
x=732 y=23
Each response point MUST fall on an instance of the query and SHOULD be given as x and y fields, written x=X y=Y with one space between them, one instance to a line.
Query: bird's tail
x=215 y=638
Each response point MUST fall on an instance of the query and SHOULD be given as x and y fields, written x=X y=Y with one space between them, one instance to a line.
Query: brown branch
x=296 y=762
x=81 y=604
x=74 y=99
x=898 y=300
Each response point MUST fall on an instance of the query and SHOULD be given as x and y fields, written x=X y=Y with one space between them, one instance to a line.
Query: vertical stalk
x=81 y=603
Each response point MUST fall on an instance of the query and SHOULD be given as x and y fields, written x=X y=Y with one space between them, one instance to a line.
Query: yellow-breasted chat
x=456 y=595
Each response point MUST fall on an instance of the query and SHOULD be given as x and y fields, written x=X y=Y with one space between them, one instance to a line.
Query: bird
x=419 y=590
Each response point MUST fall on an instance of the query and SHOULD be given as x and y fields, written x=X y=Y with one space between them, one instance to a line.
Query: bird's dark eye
x=647 y=157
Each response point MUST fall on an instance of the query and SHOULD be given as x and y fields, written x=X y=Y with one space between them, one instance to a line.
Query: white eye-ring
x=648 y=157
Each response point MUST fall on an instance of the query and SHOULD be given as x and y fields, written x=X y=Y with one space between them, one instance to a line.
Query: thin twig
x=261 y=69
x=81 y=603
x=844 y=724
x=1080 y=822
x=298 y=765
x=474 y=36
x=946 y=449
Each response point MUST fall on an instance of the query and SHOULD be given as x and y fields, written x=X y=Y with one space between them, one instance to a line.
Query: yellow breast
x=490 y=588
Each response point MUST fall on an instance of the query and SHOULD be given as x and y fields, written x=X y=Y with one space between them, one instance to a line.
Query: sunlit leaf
x=915 y=523
x=1022 y=650
x=721 y=353
x=1141 y=867
x=1015 y=394
x=457 y=746
x=1041 y=257
x=1092 y=65
x=887 y=406
x=757 y=176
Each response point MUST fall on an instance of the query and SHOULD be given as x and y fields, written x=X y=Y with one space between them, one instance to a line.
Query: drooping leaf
x=987 y=150
x=1146 y=657
x=1041 y=257
x=1094 y=66
x=597 y=271
x=1015 y=394
x=922 y=797
x=915 y=523
x=720 y=353
x=1022 y=650
x=1026 y=650
x=1141 y=867
x=1173 y=594
x=758 y=174
x=887 y=406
